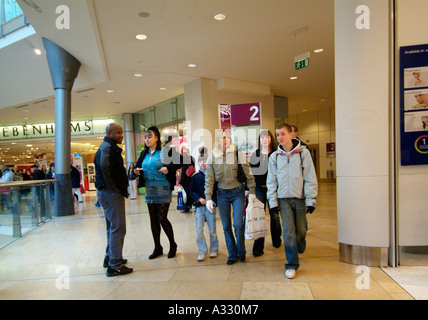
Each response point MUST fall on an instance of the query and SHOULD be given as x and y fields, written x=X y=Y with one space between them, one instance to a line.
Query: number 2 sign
x=245 y=114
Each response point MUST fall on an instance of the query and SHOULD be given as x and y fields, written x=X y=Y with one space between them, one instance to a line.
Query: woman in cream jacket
x=222 y=167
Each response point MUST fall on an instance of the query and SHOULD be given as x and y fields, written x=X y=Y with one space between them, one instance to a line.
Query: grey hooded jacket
x=292 y=175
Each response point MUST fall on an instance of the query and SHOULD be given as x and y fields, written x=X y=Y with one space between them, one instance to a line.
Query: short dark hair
x=284 y=125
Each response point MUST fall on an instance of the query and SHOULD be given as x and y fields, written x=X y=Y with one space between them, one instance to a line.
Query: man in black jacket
x=111 y=182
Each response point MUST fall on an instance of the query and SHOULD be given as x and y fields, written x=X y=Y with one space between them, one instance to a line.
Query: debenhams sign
x=46 y=130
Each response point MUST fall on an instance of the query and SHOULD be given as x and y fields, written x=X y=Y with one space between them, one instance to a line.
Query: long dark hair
x=273 y=145
x=154 y=130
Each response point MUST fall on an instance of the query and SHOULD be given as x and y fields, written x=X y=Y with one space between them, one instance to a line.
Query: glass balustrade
x=24 y=205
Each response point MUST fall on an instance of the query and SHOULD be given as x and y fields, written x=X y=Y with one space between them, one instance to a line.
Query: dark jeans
x=114 y=210
x=275 y=225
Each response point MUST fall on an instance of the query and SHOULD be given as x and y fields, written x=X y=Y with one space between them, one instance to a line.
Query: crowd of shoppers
x=280 y=174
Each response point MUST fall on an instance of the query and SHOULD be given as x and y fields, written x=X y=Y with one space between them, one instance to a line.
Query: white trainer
x=213 y=254
x=201 y=256
x=290 y=273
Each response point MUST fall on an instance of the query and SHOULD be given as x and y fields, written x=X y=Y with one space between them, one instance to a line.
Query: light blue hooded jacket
x=292 y=175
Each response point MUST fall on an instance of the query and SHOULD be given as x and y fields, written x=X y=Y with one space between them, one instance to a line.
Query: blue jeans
x=294 y=227
x=202 y=215
x=236 y=198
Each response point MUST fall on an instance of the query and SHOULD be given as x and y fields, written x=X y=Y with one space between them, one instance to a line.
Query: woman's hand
x=163 y=170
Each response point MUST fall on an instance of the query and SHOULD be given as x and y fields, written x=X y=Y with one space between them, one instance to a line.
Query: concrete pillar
x=363 y=139
x=64 y=69
x=128 y=133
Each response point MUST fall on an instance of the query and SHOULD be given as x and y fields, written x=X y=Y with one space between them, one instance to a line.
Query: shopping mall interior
x=178 y=64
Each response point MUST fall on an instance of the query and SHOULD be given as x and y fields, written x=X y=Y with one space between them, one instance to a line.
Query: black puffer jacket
x=110 y=173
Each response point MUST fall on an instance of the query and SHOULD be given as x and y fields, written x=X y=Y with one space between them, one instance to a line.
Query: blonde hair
x=219 y=138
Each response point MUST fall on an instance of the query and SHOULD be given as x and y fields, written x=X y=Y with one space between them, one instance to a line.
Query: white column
x=362 y=122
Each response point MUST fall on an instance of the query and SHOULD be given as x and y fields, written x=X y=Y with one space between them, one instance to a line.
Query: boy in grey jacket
x=293 y=187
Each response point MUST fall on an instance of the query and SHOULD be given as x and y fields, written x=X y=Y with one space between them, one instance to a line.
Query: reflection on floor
x=63 y=260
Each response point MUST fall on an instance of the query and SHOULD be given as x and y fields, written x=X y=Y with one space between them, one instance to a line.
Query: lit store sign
x=47 y=130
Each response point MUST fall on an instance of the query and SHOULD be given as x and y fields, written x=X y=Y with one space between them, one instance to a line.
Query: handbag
x=180 y=201
x=190 y=170
x=255 y=221
x=82 y=189
x=241 y=174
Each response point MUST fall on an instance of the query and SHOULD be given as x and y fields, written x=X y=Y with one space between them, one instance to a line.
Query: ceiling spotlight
x=37 y=51
x=141 y=37
x=162 y=89
x=219 y=17
x=318 y=50
x=138 y=75
x=144 y=14
x=293 y=78
x=109 y=91
x=191 y=65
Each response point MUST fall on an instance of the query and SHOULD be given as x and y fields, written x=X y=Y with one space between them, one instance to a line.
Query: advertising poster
x=414 y=105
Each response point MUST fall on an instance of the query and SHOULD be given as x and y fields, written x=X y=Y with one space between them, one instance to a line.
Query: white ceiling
x=256 y=42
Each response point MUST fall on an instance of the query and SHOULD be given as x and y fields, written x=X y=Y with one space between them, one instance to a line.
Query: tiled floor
x=63 y=260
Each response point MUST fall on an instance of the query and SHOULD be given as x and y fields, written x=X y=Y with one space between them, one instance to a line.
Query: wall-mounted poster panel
x=414 y=104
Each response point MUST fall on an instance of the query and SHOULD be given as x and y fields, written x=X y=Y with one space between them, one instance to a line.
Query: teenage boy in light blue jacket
x=293 y=187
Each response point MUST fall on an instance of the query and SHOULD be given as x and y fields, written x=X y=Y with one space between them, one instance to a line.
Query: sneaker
x=201 y=256
x=118 y=272
x=290 y=273
x=213 y=254
x=107 y=259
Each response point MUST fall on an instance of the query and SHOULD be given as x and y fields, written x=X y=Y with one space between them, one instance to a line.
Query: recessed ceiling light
x=141 y=37
x=191 y=65
x=318 y=50
x=293 y=78
x=109 y=91
x=162 y=89
x=219 y=17
x=138 y=75
x=144 y=14
x=304 y=110
x=37 y=51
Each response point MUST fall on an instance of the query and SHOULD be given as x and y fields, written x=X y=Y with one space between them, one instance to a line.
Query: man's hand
x=310 y=209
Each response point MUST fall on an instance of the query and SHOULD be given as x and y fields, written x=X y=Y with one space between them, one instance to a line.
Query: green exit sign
x=301 y=64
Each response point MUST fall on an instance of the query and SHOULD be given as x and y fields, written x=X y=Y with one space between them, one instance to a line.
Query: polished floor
x=62 y=259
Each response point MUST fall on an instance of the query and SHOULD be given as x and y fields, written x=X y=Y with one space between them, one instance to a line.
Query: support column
x=363 y=113
x=64 y=69
x=128 y=132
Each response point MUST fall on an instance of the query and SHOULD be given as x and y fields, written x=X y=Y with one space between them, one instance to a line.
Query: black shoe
x=172 y=251
x=231 y=261
x=156 y=253
x=242 y=258
x=258 y=254
x=118 y=272
x=107 y=259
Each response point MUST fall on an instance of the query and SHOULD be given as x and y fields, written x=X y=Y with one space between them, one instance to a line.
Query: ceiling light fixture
x=318 y=50
x=141 y=37
x=162 y=88
x=138 y=75
x=191 y=65
x=293 y=78
x=109 y=91
x=37 y=51
x=219 y=17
